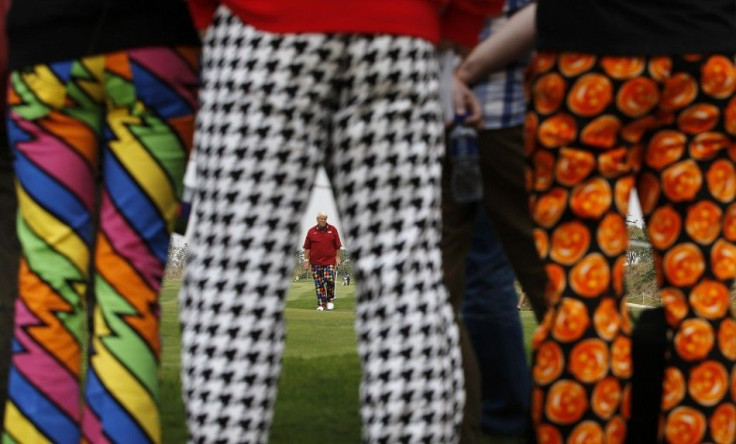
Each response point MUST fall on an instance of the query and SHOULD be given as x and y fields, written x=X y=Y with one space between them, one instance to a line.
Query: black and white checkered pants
x=274 y=107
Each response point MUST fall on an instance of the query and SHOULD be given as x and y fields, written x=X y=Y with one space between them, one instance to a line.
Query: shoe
x=518 y=307
x=330 y=306
x=320 y=308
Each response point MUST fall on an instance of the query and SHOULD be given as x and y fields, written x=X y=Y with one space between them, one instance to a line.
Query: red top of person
x=323 y=244
x=459 y=21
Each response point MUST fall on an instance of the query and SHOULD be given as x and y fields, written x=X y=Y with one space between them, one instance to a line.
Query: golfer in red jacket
x=322 y=256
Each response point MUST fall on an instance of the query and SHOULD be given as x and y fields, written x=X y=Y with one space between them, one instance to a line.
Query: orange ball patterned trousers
x=597 y=128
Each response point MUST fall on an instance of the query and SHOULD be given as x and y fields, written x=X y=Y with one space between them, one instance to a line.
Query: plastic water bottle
x=466 y=181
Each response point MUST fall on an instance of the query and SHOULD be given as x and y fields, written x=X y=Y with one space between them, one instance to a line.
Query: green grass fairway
x=318 y=389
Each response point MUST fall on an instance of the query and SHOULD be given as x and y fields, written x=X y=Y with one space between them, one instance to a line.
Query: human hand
x=305 y=265
x=337 y=262
x=465 y=103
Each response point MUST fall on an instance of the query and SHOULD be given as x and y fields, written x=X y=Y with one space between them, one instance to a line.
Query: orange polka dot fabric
x=597 y=128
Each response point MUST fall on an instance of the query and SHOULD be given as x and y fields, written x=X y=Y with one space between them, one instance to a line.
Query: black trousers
x=647 y=353
x=505 y=201
x=9 y=252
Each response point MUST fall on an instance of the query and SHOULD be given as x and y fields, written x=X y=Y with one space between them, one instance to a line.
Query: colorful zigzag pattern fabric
x=100 y=147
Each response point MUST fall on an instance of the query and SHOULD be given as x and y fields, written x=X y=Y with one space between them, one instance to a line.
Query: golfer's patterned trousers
x=274 y=107
x=324 y=283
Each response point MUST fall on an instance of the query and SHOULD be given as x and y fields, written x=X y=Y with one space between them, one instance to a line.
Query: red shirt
x=322 y=245
x=457 y=20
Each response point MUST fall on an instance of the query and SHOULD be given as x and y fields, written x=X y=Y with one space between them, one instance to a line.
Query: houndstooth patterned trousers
x=274 y=107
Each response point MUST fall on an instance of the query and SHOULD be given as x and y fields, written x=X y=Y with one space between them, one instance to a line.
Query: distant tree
x=640 y=274
x=177 y=258
x=298 y=258
x=638 y=251
x=346 y=265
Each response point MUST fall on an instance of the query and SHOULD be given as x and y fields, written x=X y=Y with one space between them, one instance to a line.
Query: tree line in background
x=179 y=253
x=346 y=266
x=641 y=280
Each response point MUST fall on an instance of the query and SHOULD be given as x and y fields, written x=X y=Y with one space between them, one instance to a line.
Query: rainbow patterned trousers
x=324 y=283
x=100 y=146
